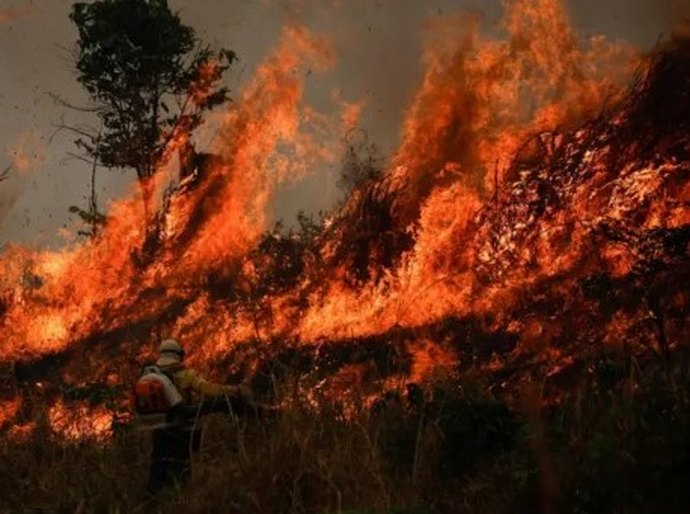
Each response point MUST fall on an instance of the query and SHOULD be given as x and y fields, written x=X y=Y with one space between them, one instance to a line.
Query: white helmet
x=170 y=352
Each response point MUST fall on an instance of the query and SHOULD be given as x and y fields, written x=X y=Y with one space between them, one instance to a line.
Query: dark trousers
x=171 y=457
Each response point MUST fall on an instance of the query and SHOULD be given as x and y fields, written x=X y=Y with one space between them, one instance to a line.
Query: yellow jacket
x=189 y=382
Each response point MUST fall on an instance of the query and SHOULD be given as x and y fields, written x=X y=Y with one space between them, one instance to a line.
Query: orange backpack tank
x=154 y=392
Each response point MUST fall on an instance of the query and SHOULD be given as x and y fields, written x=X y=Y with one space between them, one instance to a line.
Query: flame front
x=526 y=172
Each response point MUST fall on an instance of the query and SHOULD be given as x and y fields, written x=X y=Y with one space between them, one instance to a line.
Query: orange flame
x=488 y=115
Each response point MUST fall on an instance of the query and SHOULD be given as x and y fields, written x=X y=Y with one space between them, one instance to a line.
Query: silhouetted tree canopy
x=149 y=77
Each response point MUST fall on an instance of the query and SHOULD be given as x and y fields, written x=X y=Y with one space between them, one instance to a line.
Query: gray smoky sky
x=378 y=47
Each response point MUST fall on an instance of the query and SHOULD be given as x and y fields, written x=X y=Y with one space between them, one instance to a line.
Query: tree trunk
x=146 y=185
x=93 y=201
x=187 y=157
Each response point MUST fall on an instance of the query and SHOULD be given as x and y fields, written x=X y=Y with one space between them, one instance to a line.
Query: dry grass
x=614 y=446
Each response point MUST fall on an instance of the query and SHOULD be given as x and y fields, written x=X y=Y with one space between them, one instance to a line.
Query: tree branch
x=81 y=131
x=78 y=157
x=4 y=174
x=64 y=103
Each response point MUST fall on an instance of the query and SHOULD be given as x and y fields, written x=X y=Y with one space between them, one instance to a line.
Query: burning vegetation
x=535 y=219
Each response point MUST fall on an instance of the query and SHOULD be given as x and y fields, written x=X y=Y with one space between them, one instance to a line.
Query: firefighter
x=172 y=444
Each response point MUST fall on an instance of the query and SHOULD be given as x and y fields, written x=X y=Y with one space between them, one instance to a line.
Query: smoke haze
x=377 y=46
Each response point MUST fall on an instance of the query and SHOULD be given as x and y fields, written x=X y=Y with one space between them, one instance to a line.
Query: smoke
x=29 y=152
x=678 y=15
x=677 y=10
x=9 y=192
x=378 y=49
x=8 y=16
x=26 y=154
x=377 y=45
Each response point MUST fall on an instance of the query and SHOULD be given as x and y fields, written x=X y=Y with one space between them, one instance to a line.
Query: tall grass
x=618 y=442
